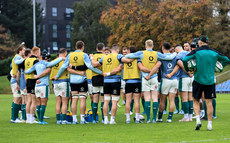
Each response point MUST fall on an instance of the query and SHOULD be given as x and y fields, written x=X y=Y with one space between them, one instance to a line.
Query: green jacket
x=206 y=59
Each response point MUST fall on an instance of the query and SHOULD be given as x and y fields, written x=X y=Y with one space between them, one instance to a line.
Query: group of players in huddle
x=101 y=75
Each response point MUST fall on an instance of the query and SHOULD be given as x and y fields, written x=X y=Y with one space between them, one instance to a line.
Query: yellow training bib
x=14 y=66
x=76 y=58
x=110 y=62
x=29 y=62
x=149 y=59
x=131 y=71
x=89 y=74
x=97 y=57
x=55 y=69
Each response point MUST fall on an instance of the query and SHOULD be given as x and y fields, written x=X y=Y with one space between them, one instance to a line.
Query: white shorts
x=185 y=84
x=62 y=89
x=150 y=85
x=90 y=88
x=14 y=90
x=23 y=91
x=123 y=86
x=42 y=91
x=98 y=89
x=168 y=85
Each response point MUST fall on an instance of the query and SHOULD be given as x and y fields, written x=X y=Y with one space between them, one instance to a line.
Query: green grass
x=121 y=132
x=4 y=85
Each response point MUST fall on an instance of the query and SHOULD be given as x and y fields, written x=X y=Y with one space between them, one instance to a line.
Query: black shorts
x=30 y=85
x=98 y=80
x=209 y=90
x=81 y=87
x=112 y=88
x=133 y=88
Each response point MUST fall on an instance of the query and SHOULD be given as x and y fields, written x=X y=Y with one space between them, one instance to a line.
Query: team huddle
x=148 y=75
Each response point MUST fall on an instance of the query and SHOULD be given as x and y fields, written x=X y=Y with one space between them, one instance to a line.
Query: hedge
x=5 y=66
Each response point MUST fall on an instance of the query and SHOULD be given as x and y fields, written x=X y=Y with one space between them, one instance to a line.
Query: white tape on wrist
x=108 y=74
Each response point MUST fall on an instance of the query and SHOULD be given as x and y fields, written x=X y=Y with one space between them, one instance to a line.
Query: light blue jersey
x=168 y=66
x=22 y=79
x=17 y=60
x=41 y=67
x=160 y=56
x=112 y=78
x=74 y=78
x=181 y=55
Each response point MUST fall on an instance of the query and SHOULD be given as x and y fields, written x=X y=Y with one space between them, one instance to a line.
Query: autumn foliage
x=7 y=44
x=132 y=22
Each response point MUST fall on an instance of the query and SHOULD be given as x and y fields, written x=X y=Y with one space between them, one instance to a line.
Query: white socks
x=209 y=122
x=112 y=119
x=106 y=119
x=137 y=117
x=190 y=116
x=32 y=117
x=127 y=116
x=198 y=120
x=83 y=117
x=75 y=118
x=185 y=116
x=28 y=117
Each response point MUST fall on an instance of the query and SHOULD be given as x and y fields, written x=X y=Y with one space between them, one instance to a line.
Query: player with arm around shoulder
x=149 y=59
x=42 y=88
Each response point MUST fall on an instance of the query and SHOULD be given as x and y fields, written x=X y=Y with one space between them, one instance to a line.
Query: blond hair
x=149 y=43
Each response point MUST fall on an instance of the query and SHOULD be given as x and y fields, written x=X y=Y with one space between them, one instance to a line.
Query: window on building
x=68 y=30
x=44 y=12
x=68 y=12
x=54 y=11
x=54 y=30
x=68 y=46
x=55 y=46
x=43 y=29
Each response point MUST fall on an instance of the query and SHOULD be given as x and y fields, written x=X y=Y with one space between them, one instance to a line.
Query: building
x=55 y=26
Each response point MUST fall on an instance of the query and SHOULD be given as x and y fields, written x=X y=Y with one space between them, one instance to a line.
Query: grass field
x=121 y=132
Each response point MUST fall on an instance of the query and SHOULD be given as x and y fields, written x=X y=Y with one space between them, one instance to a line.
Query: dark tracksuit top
x=206 y=59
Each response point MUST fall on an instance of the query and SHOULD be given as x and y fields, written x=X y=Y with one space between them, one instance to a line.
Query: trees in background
x=218 y=29
x=6 y=44
x=132 y=22
x=17 y=17
x=86 y=26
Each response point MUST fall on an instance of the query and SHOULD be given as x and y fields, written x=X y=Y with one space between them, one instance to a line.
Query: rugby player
x=78 y=83
x=97 y=82
x=169 y=83
x=185 y=87
x=23 y=91
x=132 y=77
x=149 y=59
x=42 y=87
x=111 y=65
x=187 y=47
x=14 y=82
x=30 y=85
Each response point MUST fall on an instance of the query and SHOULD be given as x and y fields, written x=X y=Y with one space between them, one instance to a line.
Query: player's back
x=168 y=66
x=206 y=60
x=181 y=55
x=41 y=67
